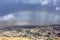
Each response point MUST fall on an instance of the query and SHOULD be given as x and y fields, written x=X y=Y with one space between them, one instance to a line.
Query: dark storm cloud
x=9 y=6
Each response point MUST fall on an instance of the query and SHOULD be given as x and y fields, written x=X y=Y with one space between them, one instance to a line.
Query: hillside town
x=36 y=33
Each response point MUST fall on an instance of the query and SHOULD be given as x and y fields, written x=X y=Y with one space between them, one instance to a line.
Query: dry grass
x=14 y=38
x=19 y=38
x=57 y=39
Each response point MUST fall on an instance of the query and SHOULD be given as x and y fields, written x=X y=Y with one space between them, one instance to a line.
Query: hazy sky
x=30 y=12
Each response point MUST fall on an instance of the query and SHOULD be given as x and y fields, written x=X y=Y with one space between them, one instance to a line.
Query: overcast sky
x=30 y=12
